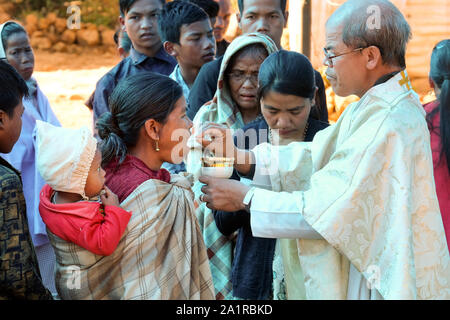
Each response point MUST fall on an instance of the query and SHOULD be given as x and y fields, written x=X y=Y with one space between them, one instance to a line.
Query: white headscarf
x=2 y=49
x=31 y=83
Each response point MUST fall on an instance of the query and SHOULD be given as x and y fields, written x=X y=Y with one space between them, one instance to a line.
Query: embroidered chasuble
x=365 y=184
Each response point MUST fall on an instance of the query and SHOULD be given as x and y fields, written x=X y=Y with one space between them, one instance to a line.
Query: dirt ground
x=68 y=79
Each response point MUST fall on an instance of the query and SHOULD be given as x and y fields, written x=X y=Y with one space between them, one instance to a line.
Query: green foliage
x=100 y=12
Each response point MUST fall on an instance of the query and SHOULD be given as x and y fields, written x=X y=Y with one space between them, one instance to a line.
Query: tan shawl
x=160 y=256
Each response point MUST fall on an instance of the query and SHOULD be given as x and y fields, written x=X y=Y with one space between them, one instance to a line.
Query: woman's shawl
x=160 y=256
x=221 y=109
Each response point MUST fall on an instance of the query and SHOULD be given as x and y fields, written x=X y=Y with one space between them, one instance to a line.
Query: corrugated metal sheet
x=429 y=21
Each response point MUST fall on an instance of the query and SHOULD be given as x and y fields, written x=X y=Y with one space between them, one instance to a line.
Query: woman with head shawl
x=264 y=268
x=235 y=104
x=15 y=48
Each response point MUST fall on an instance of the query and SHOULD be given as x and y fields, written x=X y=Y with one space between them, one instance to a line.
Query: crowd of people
x=359 y=209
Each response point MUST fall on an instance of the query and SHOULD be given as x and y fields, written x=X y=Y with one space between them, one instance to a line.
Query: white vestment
x=361 y=201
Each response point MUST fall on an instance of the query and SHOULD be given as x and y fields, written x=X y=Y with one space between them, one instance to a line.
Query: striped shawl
x=160 y=256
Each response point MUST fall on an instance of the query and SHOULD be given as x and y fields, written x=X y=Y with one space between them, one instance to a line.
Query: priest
x=360 y=198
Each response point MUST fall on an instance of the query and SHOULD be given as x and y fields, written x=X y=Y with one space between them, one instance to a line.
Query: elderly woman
x=235 y=104
x=161 y=254
x=236 y=101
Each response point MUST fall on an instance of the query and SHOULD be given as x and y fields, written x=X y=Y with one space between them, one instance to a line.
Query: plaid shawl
x=160 y=256
x=221 y=109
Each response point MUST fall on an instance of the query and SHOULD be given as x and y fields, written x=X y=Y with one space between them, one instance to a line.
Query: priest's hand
x=223 y=194
x=218 y=139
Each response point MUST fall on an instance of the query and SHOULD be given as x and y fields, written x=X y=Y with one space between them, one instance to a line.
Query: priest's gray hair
x=374 y=23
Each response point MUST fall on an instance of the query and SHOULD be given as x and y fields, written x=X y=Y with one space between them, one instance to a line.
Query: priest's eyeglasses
x=329 y=57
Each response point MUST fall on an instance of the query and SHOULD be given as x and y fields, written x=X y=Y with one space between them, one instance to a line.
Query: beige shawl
x=160 y=256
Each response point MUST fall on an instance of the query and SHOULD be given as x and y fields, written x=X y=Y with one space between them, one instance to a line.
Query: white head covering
x=31 y=83
x=64 y=156
x=2 y=49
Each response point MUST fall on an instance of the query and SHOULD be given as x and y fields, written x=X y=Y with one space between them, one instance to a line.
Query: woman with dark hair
x=286 y=91
x=438 y=118
x=138 y=130
x=16 y=49
x=161 y=255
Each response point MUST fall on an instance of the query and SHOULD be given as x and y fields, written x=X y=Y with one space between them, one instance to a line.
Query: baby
x=75 y=204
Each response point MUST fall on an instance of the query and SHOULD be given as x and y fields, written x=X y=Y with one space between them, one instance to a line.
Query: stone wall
x=52 y=33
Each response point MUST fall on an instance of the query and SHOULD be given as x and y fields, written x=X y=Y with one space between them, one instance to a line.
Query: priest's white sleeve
x=278 y=215
x=275 y=214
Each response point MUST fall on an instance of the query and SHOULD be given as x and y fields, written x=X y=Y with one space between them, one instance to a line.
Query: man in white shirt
x=360 y=198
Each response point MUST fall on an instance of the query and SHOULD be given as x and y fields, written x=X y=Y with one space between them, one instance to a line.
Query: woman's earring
x=157 y=146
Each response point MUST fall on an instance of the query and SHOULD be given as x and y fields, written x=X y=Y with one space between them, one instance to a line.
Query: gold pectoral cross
x=405 y=80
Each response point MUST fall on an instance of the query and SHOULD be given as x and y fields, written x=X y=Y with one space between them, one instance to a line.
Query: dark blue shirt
x=136 y=62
